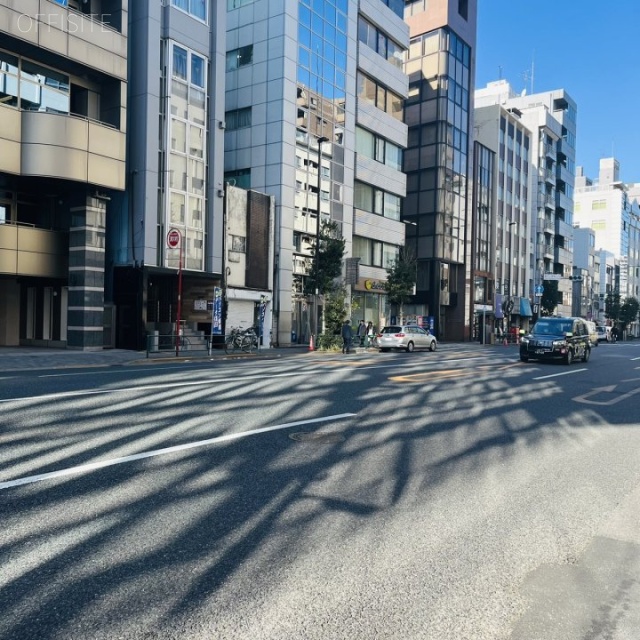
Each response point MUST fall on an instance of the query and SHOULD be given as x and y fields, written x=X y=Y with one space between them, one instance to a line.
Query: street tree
x=612 y=307
x=628 y=312
x=401 y=279
x=327 y=269
x=335 y=310
x=550 y=298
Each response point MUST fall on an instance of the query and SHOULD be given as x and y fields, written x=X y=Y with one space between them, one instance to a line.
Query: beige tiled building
x=63 y=76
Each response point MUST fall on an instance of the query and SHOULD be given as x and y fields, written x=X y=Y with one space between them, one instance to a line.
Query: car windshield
x=552 y=327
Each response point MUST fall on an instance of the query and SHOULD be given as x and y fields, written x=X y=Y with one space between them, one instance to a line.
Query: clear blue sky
x=590 y=48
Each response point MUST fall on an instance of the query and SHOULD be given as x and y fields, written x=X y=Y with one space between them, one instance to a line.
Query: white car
x=407 y=337
x=604 y=334
x=593 y=333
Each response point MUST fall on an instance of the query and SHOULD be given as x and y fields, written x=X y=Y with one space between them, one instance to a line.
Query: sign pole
x=174 y=240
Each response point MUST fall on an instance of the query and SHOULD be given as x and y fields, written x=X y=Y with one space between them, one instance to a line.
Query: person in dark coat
x=347 y=336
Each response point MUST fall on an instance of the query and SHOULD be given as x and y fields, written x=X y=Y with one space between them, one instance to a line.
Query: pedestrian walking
x=371 y=333
x=361 y=332
x=347 y=336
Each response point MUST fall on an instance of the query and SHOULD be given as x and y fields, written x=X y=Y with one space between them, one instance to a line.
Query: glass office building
x=316 y=113
x=438 y=112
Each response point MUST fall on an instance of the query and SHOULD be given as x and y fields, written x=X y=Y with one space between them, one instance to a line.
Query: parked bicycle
x=241 y=340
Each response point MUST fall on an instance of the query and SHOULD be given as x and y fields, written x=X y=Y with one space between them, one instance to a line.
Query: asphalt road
x=451 y=495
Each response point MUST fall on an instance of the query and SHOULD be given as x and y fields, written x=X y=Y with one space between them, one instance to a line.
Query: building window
x=179 y=62
x=195 y=8
x=378 y=41
x=239 y=57
x=376 y=201
x=236 y=4
x=377 y=94
x=238 y=118
x=239 y=178
x=463 y=8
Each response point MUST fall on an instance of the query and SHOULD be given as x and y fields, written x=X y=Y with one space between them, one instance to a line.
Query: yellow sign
x=375 y=286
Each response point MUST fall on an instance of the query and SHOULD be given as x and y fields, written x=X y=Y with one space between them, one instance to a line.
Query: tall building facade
x=483 y=251
x=63 y=116
x=551 y=117
x=514 y=215
x=438 y=161
x=174 y=171
x=587 y=299
x=314 y=94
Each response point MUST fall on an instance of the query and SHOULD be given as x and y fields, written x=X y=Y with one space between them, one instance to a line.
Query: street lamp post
x=509 y=300
x=316 y=258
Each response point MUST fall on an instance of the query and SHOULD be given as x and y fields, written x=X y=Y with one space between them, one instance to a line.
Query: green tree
x=335 y=310
x=612 y=307
x=328 y=268
x=550 y=297
x=401 y=279
x=628 y=312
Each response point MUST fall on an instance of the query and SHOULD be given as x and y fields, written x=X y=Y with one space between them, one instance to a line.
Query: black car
x=564 y=339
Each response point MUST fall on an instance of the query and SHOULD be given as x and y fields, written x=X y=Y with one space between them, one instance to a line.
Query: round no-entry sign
x=173 y=239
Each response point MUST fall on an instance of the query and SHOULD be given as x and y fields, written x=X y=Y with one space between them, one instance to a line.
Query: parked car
x=593 y=333
x=604 y=334
x=564 y=339
x=407 y=337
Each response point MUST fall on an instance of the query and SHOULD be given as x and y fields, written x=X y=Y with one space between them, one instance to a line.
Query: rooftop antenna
x=532 y=68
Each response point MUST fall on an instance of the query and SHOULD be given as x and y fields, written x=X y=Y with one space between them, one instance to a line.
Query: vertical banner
x=216 y=312
x=263 y=310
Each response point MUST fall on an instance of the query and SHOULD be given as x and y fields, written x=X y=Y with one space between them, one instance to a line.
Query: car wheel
x=568 y=359
x=587 y=354
x=410 y=347
x=524 y=358
x=433 y=346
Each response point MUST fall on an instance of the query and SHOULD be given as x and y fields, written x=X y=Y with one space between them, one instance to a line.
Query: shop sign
x=375 y=286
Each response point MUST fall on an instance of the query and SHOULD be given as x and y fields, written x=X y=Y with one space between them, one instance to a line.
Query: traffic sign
x=552 y=276
x=539 y=290
x=173 y=239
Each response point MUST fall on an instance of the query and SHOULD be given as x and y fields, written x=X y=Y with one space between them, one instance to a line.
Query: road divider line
x=93 y=466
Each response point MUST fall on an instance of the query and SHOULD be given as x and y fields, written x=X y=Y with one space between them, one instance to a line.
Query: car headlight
x=559 y=343
x=524 y=340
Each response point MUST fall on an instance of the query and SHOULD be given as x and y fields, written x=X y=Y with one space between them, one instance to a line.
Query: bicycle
x=245 y=340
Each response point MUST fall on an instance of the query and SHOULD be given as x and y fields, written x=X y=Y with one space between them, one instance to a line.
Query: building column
x=85 y=309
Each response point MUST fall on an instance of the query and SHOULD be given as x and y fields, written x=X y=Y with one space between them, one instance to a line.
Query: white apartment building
x=502 y=130
x=551 y=117
x=610 y=207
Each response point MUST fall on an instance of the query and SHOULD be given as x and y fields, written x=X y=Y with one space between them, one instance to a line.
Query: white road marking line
x=111 y=371
x=92 y=466
x=565 y=373
x=632 y=359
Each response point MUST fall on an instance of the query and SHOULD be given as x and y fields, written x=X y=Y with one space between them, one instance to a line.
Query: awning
x=525 y=308
x=498 y=312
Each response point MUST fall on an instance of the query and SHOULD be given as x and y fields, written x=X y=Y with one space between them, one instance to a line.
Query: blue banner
x=216 y=313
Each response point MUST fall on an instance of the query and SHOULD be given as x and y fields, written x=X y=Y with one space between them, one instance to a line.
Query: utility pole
x=316 y=259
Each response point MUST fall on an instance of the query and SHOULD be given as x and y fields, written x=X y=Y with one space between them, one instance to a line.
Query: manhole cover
x=317 y=436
